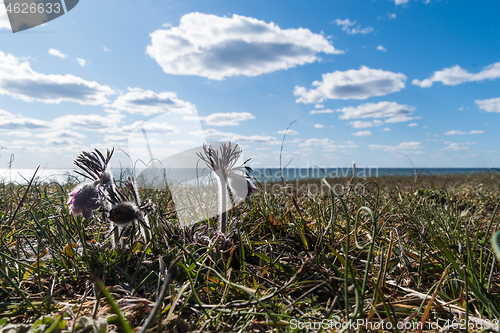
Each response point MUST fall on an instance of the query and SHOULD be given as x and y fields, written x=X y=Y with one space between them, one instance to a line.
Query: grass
x=389 y=251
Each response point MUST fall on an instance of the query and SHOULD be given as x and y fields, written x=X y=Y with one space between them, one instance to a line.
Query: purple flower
x=85 y=198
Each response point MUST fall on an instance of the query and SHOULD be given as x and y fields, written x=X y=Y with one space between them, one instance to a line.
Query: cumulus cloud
x=233 y=137
x=10 y=121
x=319 y=126
x=321 y=111
x=116 y=139
x=381 y=48
x=365 y=124
x=352 y=84
x=61 y=134
x=217 y=47
x=151 y=127
x=81 y=62
x=227 y=119
x=18 y=80
x=392 y=110
x=147 y=102
x=341 y=146
x=412 y=125
x=456 y=75
x=362 y=133
x=347 y=24
x=4 y=19
x=57 y=53
x=403 y=147
x=23 y=134
x=288 y=132
x=89 y=122
x=455 y=146
x=489 y=105
x=400 y=2
x=456 y=132
x=316 y=142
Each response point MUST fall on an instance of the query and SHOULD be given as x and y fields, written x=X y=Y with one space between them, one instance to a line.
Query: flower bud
x=124 y=213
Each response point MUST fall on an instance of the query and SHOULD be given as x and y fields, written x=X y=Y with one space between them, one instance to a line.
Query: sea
x=62 y=176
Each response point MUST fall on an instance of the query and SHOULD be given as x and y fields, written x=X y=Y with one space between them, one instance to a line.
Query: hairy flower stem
x=222 y=193
x=143 y=218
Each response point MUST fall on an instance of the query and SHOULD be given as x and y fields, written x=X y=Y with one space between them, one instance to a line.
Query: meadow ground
x=390 y=253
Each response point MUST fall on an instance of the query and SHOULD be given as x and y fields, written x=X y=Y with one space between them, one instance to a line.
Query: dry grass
x=376 y=251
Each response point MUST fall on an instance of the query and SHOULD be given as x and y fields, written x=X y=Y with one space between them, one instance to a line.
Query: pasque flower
x=124 y=213
x=223 y=163
x=85 y=198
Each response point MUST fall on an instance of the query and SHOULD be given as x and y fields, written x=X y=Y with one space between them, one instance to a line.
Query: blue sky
x=376 y=83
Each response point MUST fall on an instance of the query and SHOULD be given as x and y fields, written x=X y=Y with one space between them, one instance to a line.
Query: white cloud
x=321 y=111
x=147 y=102
x=151 y=127
x=346 y=24
x=23 y=134
x=81 y=62
x=454 y=146
x=186 y=142
x=318 y=106
x=316 y=142
x=456 y=75
x=391 y=16
x=381 y=48
x=10 y=121
x=346 y=146
x=57 y=53
x=4 y=19
x=390 y=110
x=61 y=134
x=399 y=119
x=412 y=125
x=455 y=132
x=489 y=105
x=365 y=124
x=387 y=129
x=319 y=126
x=227 y=119
x=18 y=80
x=233 y=137
x=362 y=133
x=89 y=122
x=106 y=49
x=403 y=147
x=352 y=84
x=288 y=132
x=116 y=139
x=217 y=47
x=400 y=2
x=63 y=142
x=253 y=138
